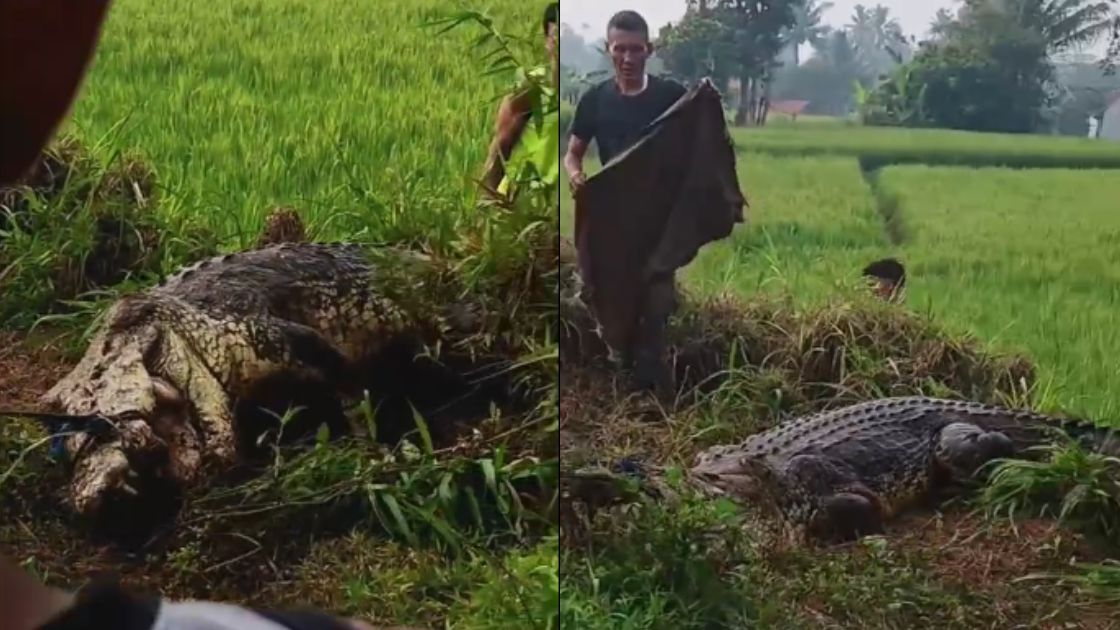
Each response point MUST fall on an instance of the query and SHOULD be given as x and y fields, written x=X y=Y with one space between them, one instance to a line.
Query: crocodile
x=838 y=475
x=166 y=365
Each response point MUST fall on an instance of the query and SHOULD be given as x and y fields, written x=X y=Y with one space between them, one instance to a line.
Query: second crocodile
x=845 y=473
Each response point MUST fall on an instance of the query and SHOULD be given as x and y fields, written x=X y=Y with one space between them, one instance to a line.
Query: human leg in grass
x=650 y=372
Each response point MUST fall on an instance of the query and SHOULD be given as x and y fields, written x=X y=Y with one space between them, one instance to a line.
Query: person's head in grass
x=887 y=278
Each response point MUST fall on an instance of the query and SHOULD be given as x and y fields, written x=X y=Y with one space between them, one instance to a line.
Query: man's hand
x=573 y=164
x=576 y=182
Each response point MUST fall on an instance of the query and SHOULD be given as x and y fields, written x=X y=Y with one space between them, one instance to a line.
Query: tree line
x=988 y=65
x=1001 y=66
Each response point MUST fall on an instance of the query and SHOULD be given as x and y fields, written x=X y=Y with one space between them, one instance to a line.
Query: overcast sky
x=913 y=15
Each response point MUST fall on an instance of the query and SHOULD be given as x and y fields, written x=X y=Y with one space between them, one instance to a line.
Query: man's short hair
x=551 y=16
x=887 y=269
x=629 y=22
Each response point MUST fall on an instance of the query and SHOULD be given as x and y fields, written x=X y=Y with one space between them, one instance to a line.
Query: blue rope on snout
x=60 y=429
x=58 y=440
x=631 y=467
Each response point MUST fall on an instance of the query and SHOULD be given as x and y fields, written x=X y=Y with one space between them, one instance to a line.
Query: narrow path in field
x=888 y=205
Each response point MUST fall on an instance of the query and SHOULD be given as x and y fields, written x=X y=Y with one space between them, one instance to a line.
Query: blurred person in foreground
x=516 y=138
x=45 y=47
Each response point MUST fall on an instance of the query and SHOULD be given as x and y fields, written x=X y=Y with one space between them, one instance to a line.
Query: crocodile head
x=135 y=411
x=121 y=454
x=731 y=473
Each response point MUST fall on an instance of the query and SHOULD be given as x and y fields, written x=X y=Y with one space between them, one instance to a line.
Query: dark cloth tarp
x=651 y=209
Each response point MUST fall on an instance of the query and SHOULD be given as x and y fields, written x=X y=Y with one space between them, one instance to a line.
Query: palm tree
x=809 y=27
x=877 y=37
x=1064 y=24
x=841 y=55
x=941 y=24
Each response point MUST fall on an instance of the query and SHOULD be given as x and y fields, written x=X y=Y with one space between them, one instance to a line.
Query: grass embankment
x=374 y=128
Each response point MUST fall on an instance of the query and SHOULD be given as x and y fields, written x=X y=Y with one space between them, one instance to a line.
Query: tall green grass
x=350 y=111
x=1022 y=259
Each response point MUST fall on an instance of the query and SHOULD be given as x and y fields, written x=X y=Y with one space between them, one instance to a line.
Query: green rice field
x=336 y=108
x=1021 y=258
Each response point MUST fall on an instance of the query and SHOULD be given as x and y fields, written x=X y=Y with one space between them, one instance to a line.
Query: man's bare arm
x=512 y=119
x=573 y=159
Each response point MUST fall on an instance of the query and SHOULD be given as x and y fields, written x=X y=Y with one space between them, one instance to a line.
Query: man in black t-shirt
x=615 y=112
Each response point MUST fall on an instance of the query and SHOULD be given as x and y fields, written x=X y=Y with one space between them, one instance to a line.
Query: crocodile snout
x=735 y=485
x=732 y=473
x=136 y=452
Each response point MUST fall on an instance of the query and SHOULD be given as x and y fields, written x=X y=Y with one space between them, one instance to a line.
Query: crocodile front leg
x=848 y=515
x=209 y=404
x=222 y=361
x=827 y=502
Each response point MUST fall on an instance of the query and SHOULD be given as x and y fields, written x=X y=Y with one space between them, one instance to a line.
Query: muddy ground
x=29 y=365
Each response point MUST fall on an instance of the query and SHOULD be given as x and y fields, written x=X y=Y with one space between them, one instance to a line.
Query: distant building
x=792 y=109
x=1109 y=128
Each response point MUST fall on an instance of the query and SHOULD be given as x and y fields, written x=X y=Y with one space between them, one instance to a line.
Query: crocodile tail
x=1094 y=437
x=1030 y=430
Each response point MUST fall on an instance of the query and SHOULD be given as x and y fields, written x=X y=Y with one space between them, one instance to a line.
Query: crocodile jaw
x=737 y=477
x=738 y=487
x=103 y=469
x=116 y=466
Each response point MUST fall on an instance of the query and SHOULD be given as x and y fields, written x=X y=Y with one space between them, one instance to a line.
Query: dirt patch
x=1011 y=569
x=30 y=367
x=975 y=552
